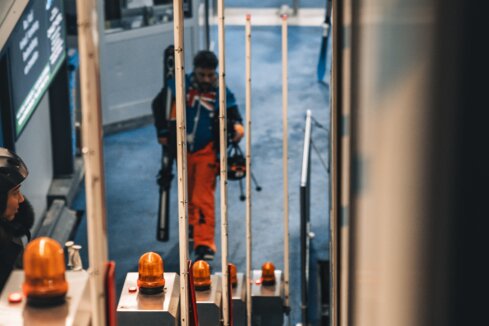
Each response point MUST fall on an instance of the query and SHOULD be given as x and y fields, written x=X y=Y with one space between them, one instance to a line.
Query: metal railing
x=305 y=199
x=314 y=273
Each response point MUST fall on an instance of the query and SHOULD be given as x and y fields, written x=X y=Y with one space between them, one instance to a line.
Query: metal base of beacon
x=74 y=310
x=135 y=308
x=209 y=303
x=267 y=301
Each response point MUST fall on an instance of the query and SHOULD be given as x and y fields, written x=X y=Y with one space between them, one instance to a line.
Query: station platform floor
x=274 y=3
x=132 y=161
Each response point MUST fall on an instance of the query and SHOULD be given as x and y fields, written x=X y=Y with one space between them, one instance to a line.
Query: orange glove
x=238 y=132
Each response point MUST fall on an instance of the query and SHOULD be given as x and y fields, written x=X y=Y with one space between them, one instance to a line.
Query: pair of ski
x=165 y=176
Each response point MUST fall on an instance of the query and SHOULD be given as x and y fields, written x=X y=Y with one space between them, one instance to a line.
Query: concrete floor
x=275 y=3
x=132 y=160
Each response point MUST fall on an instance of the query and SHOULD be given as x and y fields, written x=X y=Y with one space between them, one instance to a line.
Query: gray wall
x=34 y=146
x=132 y=73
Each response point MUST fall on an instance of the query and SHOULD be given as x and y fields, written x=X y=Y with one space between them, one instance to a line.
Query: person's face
x=206 y=77
x=14 y=198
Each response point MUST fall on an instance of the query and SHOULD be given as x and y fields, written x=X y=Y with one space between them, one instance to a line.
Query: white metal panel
x=34 y=147
x=75 y=311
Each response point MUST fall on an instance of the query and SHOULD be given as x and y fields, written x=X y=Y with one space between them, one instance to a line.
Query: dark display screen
x=36 y=51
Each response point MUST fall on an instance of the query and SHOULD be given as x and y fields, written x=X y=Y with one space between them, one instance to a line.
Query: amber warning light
x=151 y=279
x=202 y=275
x=268 y=273
x=44 y=269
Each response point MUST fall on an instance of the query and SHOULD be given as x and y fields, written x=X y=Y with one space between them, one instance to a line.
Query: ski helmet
x=236 y=162
x=12 y=172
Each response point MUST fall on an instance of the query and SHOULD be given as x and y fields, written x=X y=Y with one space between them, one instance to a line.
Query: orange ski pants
x=202 y=168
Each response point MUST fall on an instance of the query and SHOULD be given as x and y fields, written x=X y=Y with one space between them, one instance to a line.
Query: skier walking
x=202 y=111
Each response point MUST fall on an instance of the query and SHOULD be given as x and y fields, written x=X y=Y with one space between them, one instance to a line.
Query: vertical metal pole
x=224 y=159
x=285 y=156
x=392 y=214
x=305 y=186
x=335 y=164
x=214 y=7
x=92 y=155
x=295 y=7
x=181 y=158
x=248 y=168
x=207 y=26
x=341 y=122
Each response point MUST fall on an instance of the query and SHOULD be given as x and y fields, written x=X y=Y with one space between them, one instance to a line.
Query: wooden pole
x=285 y=156
x=88 y=38
x=248 y=169
x=223 y=163
x=181 y=159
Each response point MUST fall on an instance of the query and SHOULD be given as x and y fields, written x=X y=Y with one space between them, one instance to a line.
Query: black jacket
x=11 y=247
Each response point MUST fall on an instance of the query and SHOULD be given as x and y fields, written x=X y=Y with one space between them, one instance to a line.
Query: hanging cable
x=326 y=167
x=318 y=124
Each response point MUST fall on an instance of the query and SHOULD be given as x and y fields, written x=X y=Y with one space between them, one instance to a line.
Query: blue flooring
x=132 y=160
x=274 y=3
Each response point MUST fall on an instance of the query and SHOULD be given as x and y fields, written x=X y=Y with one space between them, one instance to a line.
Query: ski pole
x=285 y=156
x=242 y=196
x=258 y=187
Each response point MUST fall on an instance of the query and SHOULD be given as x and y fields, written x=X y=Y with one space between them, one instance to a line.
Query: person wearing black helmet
x=16 y=214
